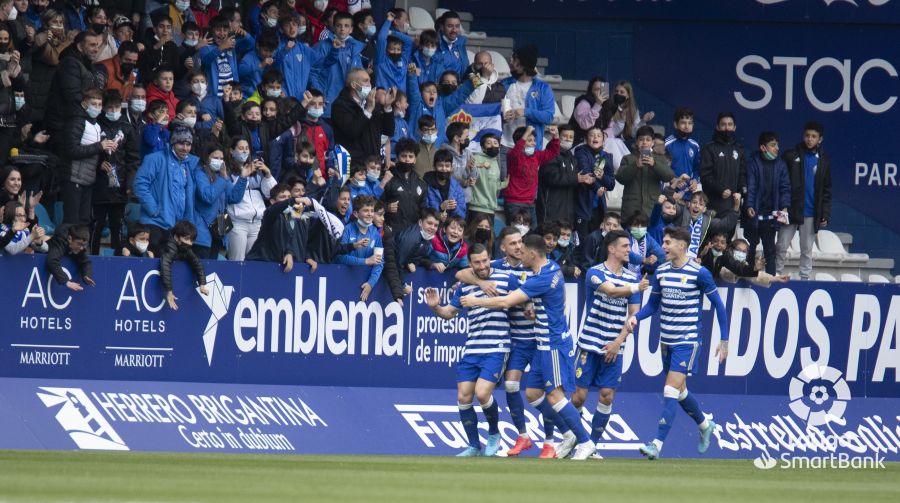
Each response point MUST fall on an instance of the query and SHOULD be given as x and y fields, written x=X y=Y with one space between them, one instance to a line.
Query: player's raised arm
x=434 y=303
x=468 y=277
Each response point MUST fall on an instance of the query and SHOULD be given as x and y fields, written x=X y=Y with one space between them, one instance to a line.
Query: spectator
x=428 y=59
x=134 y=113
x=344 y=61
x=213 y=192
x=452 y=43
x=683 y=150
x=360 y=118
x=340 y=207
x=413 y=244
x=17 y=237
x=155 y=134
x=713 y=248
x=219 y=59
x=641 y=174
x=558 y=182
x=531 y=102
x=401 y=127
x=256 y=62
x=589 y=109
x=119 y=70
x=179 y=247
x=263 y=18
x=809 y=168
x=365 y=179
x=701 y=223
x=480 y=230
x=284 y=233
x=164 y=186
x=768 y=191
x=427 y=134
x=97 y=20
x=464 y=170
x=12 y=185
x=549 y=231
x=448 y=249
x=309 y=131
x=524 y=162
x=160 y=49
x=50 y=44
x=161 y=89
x=733 y=264
x=10 y=75
x=392 y=56
x=592 y=251
x=243 y=40
x=83 y=143
x=492 y=91
x=74 y=74
x=723 y=165
x=368 y=249
x=564 y=255
x=258 y=133
x=296 y=59
x=137 y=244
x=522 y=221
x=596 y=179
x=425 y=100
x=646 y=254
x=445 y=194
x=71 y=240
x=203 y=13
x=246 y=215
x=117 y=168
x=626 y=118
x=364 y=31
x=664 y=214
x=487 y=184
x=188 y=57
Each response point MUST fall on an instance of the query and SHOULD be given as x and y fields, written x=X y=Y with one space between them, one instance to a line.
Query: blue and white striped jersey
x=548 y=291
x=682 y=290
x=520 y=328
x=605 y=315
x=488 y=328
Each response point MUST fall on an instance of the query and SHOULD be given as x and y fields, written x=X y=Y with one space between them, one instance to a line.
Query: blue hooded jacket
x=390 y=73
x=297 y=62
x=208 y=57
x=443 y=106
x=159 y=182
x=430 y=71
x=456 y=59
x=540 y=105
x=336 y=67
x=250 y=73
x=210 y=199
x=433 y=198
x=586 y=158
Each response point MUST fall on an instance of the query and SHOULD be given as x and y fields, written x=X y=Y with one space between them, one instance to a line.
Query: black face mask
x=252 y=123
x=446 y=89
x=98 y=28
x=4 y=47
x=492 y=152
x=126 y=69
x=619 y=100
x=443 y=177
x=395 y=57
x=482 y=235
x=465 y=143
x=404 y=167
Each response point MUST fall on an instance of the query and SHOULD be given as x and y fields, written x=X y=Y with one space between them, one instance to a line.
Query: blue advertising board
x=286 y=363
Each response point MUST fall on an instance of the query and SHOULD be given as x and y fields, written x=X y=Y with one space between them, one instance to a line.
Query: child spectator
x=664 y=212
x=592 y=250
x=155 y=135
x=425 y=100
x=768 y=191
x=564 y=255
x=246 y=214
x=72 y=240
x=404 y=192
x=683 y=150
x=179 y=247
x=413 y=244
x=365 y=238
x=487 y=184
x=642 y=173
x=213 y=192
x=254 y=63
x=733 y=264
x=549 y=231
x=209 y=106
x=344 y=56
x=646 y=254
x=401 y=127
x=83 y=141
x=284 y=233
x=700 y=223
x=161 y=89
x=296 y=59
x=596 y=177
x=137 y=244
x=393 y=52
x=365 y=179
x=445 y=194
x=427 y=134
x=714 y=247
x=449 y=252
x=464 y=170
x=218 y=60
x=428 y=59
x=523 y=163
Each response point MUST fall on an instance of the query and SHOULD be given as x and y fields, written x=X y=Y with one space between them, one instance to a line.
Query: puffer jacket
x=723 y=166
x=82 y=138
x=74 y=74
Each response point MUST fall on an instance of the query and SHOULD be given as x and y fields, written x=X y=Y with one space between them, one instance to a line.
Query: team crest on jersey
x=418 y=191
x=534 y=94
x=299 y=57
x=595 y=280
x=522 y=277
x=691 y=153
x=684 y=280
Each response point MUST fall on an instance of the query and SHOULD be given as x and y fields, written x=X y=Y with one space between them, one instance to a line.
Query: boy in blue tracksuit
x=254 y=63
x=295 y=59
x=684 y=150
x=362 y=232
x=427 y=58
x=392 y=56
x=364 y=181
x=592 y=160
x=401 y=127
x=424 y=100
x=341 y=60
x=218 y=59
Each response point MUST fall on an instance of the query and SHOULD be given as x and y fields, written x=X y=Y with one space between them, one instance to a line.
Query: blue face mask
x=372 y=176
x=315 y=113
x=370 y=30
x=362 y=225
x=239 y=156
x=529 y=151
x=429 y=138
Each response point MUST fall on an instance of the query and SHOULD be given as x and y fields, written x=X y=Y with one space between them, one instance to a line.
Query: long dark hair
x=234 y=167
x=472 y=228
x=204 y=162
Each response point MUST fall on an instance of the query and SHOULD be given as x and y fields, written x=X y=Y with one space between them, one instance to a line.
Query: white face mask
x=199 y=88
x=740 y=256
x=216 y=164
x=13 y=14
x=113 y=116
x=270 y=22
x=566 y=145
x=426 y=237
x=142 y=246
x=239 y=156
x=522 y=228
x=320 y=5
x=716 y=253
x=364 y=91
x=182 y=5
x=189 y=121
x=529 y=151
x=138 y=105
x=429 y=52
x=315 y=113
x=190 y=42
x=564 y=242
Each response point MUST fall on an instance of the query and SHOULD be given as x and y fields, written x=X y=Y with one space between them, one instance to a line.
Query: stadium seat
x=897 y=279
x=557 y=114
x=44 y=219
x=471 y=55
x=824 y=276
x=500 y=64
x=439 y=12
x=420 y=19
x=850 y=278
x=877 y=278
x=832 y=248
x=568 y=105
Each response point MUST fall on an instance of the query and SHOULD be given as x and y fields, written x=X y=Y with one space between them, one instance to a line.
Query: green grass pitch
x=137 y=477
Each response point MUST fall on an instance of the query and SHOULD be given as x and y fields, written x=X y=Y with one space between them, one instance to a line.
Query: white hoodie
x=477 y=95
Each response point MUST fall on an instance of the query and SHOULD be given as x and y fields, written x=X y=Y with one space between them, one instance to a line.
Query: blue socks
x=598 y=424
x=572 y=418
x=516 y=406
x=667 y=417
x=470 y=423
x=548 y=414
x=691 y=406
x=492 y=414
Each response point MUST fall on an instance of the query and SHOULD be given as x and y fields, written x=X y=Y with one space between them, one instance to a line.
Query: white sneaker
x=596 y=456
x=584 y=451
x=566 y=446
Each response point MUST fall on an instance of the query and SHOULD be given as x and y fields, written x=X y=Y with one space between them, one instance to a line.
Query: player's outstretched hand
x=722 y=351
x=431 y=297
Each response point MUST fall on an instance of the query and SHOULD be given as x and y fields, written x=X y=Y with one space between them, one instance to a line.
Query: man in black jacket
x=559 y=181
x=70 y=240
x=404 y=192
x=361 y=115
x=723 y=166
x=810 y=171
x=74 y=74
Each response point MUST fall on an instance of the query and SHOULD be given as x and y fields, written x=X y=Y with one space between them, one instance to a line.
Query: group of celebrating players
x=516 y=318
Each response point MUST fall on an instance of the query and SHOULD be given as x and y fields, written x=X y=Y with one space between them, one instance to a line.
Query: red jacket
x=523 y=171
x=154 y=93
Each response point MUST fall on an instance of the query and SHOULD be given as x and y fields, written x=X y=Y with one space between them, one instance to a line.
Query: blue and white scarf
x=696 y=237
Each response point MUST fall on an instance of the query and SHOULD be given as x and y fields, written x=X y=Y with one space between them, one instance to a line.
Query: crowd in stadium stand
x=304 y=133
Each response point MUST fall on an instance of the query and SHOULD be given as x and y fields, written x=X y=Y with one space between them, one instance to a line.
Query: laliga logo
x=813 y=389
x=81 y=419
x=218 y=301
